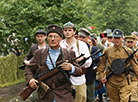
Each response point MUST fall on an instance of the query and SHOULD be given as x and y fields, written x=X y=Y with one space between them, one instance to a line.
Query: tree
x=21 y=18
x=113 y=14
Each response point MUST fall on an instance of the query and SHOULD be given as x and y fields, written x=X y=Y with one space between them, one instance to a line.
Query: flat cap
x=134 y=33
x=117 y=33
x=40 y=31
x=53 y=28
x=69 y=25
x=83 y=32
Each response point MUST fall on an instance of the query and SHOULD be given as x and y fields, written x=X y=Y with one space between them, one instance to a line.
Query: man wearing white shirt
x=69 y=30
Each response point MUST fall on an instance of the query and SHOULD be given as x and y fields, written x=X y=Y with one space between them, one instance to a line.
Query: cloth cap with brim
x=135 y=36
x=135 y=33
x=52 y=28
x=69 y=25
x=102 y=35
x=129 y=38
x=117 y=33
x=109 y=35
x=93 y=35
x=83 y=32
x=40 y=31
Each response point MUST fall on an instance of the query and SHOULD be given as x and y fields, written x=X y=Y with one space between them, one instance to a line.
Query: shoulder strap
x=126 y=51
x=90 y=49
x=78 y=47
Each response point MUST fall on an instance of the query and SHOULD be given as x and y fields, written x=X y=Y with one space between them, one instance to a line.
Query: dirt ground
x=11 y=94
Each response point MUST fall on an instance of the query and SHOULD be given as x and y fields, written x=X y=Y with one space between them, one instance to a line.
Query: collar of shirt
x=117 y=48
x=72 y=47
x=54 y=55
x=43 y=47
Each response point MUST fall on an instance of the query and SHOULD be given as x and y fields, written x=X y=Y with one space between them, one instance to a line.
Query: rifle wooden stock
x=28 y=90
x=100 y=85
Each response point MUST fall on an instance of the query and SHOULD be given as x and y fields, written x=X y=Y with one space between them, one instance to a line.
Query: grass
x=13 y=83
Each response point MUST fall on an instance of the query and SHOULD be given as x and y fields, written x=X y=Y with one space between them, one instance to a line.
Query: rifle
x=22 y=67
x=85 y=59
x=117 y=67
x=28 y=90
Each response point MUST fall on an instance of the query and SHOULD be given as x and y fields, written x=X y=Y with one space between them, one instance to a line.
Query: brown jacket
x=62 y=92
x=113 y=53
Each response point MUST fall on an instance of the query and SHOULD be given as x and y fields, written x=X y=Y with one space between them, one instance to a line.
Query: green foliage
x=21 y=18
x=9 y=72
x=113 y=14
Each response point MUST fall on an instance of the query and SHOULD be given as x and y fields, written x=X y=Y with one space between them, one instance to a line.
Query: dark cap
x=102 y=35
x=40 y=31
x=83 y=32
x=52 y=28
x=69 y=25
x=117 y=33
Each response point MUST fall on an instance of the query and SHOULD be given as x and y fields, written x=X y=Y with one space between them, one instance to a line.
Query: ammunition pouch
x=42 y=90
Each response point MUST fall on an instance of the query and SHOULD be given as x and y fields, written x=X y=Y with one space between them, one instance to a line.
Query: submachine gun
x=117 y=67
x=28 y=90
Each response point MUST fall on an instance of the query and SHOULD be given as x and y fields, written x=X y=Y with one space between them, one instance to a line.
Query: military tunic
x=115 y=82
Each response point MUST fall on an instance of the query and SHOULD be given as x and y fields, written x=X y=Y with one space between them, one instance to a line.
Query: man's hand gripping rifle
x=28 y=90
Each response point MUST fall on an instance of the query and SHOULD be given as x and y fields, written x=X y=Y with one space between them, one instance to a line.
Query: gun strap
x=126 y=51
x=78 y=47
x=90 y=49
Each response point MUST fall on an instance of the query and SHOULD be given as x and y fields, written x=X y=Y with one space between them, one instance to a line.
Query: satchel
x=42 y=90
x=98 y=76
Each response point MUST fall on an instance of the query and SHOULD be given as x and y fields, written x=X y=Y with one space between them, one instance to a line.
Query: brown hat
x=55 y=29
x=129 y=38
x=134 y=36
x=83 y=32
x=69 y=25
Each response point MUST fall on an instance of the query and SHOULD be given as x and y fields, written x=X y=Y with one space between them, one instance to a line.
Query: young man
x=115 y=85
x=45 y=60
x=40 y=36
x=79 y=47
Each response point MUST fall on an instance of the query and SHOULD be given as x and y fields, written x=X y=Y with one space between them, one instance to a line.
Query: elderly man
x=45 y=60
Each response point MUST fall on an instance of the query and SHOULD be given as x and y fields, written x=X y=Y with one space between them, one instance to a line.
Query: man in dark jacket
x=40 y=36
x=45 y=60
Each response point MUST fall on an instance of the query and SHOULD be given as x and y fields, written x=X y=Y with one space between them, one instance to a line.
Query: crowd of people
x=86 y=72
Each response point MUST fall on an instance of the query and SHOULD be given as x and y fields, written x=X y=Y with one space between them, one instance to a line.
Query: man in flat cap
x=116 y=84
x=84 y=35
x=40 y=36
x=79 y=47
x=56 y=88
